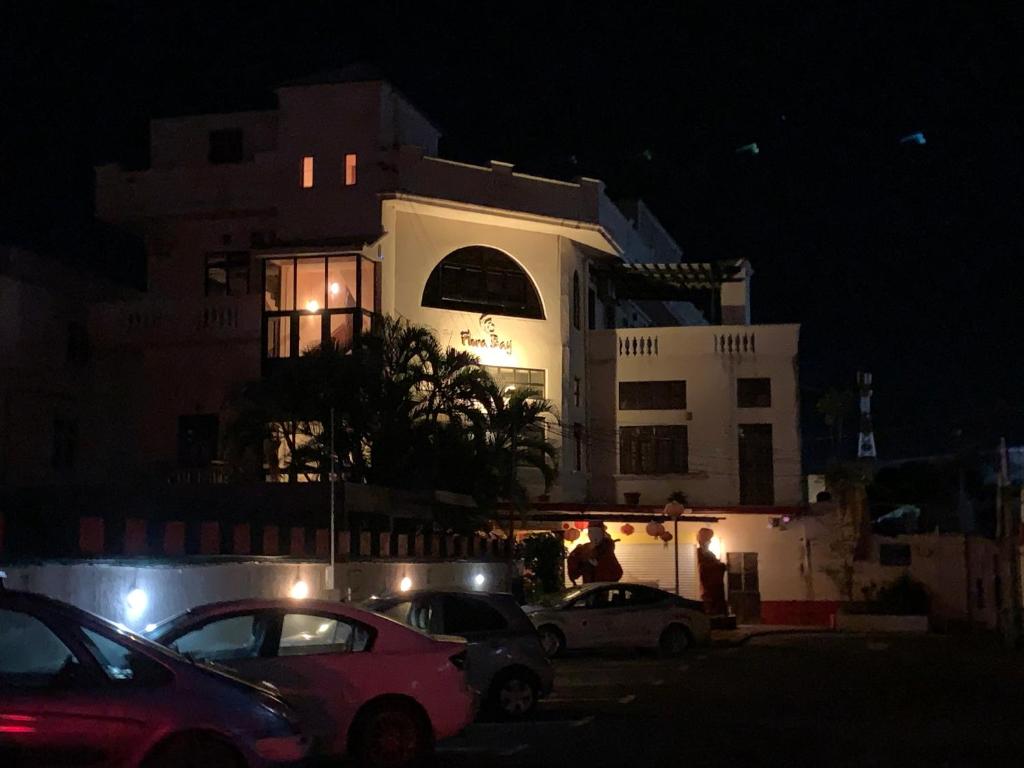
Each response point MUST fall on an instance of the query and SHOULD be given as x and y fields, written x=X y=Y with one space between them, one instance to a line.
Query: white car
x=363 y=684
x=617 y=615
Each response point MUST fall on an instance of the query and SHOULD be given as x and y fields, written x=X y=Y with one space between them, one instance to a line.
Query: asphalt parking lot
x=811 y=699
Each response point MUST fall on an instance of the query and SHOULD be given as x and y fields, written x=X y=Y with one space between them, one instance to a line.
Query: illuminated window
x=517 y=378
x=481 y=279
x=307 y=172
x=350 y=170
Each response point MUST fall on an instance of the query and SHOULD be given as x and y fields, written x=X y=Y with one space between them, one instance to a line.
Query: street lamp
x=675 y=510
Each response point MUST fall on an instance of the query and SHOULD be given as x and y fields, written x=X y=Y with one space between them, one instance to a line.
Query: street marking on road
x=627 y=698
x=585 y=721
x=576 y=699
x=514 y=751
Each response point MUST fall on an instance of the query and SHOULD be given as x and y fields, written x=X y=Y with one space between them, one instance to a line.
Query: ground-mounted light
x=135 y=603
x=405 y=584
x=299 y=590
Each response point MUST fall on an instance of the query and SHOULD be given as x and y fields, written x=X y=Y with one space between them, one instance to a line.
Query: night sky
x=899 y=257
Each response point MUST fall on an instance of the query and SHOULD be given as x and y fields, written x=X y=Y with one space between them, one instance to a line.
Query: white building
x=269 y=231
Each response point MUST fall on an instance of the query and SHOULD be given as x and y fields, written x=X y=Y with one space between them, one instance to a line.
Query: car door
x=643 y=616
x=486 y=633
x=320 y=663
x=56 y=706
x=616 y=630
x=588 y=621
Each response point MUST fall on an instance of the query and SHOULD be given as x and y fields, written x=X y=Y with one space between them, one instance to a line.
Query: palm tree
x=516 y=431
x=398 y=398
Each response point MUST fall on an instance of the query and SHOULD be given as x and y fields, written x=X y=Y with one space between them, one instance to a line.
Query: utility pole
x=333 y=477
x=1008 y=528
x=866 y=439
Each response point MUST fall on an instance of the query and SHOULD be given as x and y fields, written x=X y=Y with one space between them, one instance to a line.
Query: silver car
x=618 y=615
x=78 y=690
x=506 y=666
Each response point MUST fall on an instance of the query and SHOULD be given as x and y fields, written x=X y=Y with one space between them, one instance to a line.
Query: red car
x=363 y=684
x=78 y=690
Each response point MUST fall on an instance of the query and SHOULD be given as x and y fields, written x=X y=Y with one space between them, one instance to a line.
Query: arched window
x=576 y=300
x=482 y=279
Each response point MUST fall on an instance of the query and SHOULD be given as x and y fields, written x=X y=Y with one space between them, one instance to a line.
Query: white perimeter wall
x=172 y=588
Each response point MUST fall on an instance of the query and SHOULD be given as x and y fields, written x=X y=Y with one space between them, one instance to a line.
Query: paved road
x=786 y=700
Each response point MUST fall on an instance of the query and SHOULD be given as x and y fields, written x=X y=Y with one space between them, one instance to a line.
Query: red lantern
x=655 y=529
x=581 y=525
x=566 y=526
x=666 y=537
x=627 y=530
x=572 y=534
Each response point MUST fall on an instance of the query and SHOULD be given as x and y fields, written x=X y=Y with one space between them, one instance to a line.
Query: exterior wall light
x=135 y=603
x=299 y=590
x=479 y=580
x=406 y=584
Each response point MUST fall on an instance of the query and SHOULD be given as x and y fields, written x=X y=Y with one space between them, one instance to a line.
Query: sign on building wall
x=486 y=337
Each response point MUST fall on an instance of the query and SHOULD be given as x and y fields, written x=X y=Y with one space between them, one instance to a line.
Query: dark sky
x=901 y=258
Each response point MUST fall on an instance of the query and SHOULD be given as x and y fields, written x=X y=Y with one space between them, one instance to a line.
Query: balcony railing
x=151 y=321
x=638 y=345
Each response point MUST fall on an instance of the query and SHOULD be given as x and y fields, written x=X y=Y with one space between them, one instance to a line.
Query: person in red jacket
x=595 y=560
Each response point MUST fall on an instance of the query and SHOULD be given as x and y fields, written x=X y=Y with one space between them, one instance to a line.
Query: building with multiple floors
x=269 y=232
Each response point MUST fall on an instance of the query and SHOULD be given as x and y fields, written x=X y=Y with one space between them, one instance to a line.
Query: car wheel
x=674 y=640
x=513 y=695
x=391 y=735
x=193 y=750
x=551 y=640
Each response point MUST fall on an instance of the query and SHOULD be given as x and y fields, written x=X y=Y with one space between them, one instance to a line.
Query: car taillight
x=458 y=660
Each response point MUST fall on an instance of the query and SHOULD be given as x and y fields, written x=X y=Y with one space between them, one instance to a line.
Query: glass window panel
x=304 y=634
x=341 y=282
x=116 y=660
x=368 y=299
x=367 y=323
x=279 y=337
x=236 y=637
x=341 y=330
x=350 y=169
x=310 y=332
x=311 y=287
x=31 y=654
x=216 y=278
x=279 y=285
x=307 y=172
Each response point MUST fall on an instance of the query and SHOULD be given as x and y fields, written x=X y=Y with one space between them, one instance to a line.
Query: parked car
x=78 y=690
x=507 y=666
x=364 y=684
x=618 y=615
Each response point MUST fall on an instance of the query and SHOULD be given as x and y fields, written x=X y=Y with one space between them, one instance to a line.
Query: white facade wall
x=711 y=417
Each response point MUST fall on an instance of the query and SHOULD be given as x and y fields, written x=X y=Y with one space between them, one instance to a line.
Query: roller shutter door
x=654 y=564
